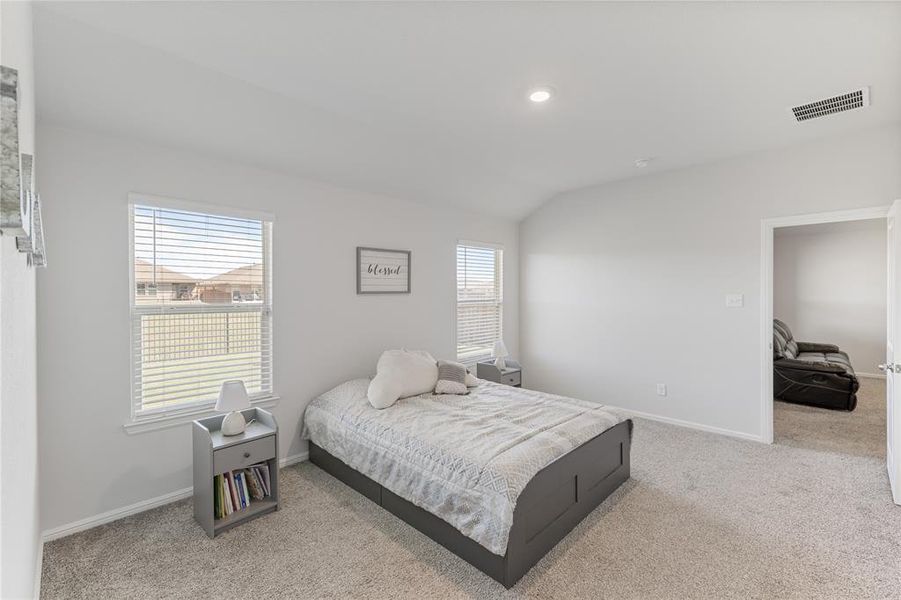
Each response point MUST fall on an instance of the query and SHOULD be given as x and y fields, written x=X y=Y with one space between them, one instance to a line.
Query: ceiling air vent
x=836 y=104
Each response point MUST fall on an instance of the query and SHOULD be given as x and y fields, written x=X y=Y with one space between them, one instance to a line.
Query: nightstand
x=512 y=375
x=217 y=454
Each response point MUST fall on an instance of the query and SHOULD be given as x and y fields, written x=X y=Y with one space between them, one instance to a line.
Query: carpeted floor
x=703 y=516
x=860 y=432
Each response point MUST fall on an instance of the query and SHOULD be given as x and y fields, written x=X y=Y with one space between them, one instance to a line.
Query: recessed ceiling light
x=641 y=163
x=542 y=94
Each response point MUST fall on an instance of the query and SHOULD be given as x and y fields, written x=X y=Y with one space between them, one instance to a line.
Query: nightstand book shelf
x=216 y=454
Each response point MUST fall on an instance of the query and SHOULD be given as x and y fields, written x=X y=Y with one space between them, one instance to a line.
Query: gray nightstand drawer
x=512 y=378
x=243 y=455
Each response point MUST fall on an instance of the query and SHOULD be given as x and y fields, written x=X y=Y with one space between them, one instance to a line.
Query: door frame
x=767 y=227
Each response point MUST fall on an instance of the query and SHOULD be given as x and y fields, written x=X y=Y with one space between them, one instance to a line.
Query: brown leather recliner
x=810 y=373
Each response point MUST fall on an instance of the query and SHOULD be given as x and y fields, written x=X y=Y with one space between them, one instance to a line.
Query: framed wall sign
x=14 y=217
x=381 y=271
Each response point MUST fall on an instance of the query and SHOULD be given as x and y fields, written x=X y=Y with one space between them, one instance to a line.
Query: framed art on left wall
x=383 y=271
x=14 y=204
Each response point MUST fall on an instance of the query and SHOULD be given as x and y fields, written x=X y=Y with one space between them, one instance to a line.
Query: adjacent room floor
x=704 y=516
x=859 y=433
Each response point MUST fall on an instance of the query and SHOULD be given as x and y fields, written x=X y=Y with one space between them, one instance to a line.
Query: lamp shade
x=500 y=350
x=232 y=396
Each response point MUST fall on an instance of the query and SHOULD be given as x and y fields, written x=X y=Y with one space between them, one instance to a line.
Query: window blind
x=201 y=306
x=480 y=301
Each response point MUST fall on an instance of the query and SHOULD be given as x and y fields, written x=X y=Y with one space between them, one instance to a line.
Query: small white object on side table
x=500 y=353
x=233 y=399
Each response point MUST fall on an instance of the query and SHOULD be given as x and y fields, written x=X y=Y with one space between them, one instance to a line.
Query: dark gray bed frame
x=551 y=505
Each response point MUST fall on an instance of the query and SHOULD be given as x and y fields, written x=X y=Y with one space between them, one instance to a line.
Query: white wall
x=829 y=285
x=19 y=517
x=623 y=285
x=324 y=332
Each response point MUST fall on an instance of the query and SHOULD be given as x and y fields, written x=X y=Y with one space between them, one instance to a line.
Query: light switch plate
x=661 y=389
x=735 y=300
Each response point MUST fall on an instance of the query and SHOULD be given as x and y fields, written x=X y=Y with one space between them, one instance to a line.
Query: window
x=201 y=307
x=480 y=300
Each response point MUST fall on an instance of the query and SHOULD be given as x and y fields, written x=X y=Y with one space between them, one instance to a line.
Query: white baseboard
x=38 y=569
x=293 y=459
x=116 y=514
x=871 y=375
x=692 y=425
x=139 y=507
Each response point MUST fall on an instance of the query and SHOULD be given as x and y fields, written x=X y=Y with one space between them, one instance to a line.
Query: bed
x=497 y=476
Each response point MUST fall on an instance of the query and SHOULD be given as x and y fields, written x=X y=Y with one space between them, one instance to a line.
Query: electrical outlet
x=661 y=389
x=735 y=300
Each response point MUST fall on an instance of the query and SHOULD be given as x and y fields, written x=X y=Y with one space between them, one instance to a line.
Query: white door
x=892 y=366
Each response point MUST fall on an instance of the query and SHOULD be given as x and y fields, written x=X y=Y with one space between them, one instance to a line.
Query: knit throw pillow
x=451 y=378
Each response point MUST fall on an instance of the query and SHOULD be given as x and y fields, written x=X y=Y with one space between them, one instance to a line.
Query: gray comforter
x=465 y=458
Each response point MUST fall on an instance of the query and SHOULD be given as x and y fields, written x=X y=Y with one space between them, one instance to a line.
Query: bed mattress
x=463 y=458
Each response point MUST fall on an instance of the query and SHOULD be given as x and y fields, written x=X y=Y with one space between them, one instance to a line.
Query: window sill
x=167 y=420
x=472 y=361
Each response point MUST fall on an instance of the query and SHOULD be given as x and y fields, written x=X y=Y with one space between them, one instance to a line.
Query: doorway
x=768 y=229
x=829 y=296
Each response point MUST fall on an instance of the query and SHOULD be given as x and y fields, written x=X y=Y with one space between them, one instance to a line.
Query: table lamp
x=500 y=351
x=233 y=398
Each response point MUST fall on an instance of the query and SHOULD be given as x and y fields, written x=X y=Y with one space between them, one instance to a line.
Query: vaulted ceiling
x=428 y=101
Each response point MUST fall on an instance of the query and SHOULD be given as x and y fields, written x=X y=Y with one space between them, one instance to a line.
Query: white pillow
x=383 y=390
x=400 y=374
x=471 y=380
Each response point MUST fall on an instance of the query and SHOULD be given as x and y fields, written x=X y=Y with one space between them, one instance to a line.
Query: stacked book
x=234 y=491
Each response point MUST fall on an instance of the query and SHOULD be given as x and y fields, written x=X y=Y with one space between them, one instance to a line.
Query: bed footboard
x=564 y=493
x=551 y=505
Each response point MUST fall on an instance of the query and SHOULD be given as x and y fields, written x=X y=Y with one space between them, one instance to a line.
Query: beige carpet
x=861 y=432
x=703 y=516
